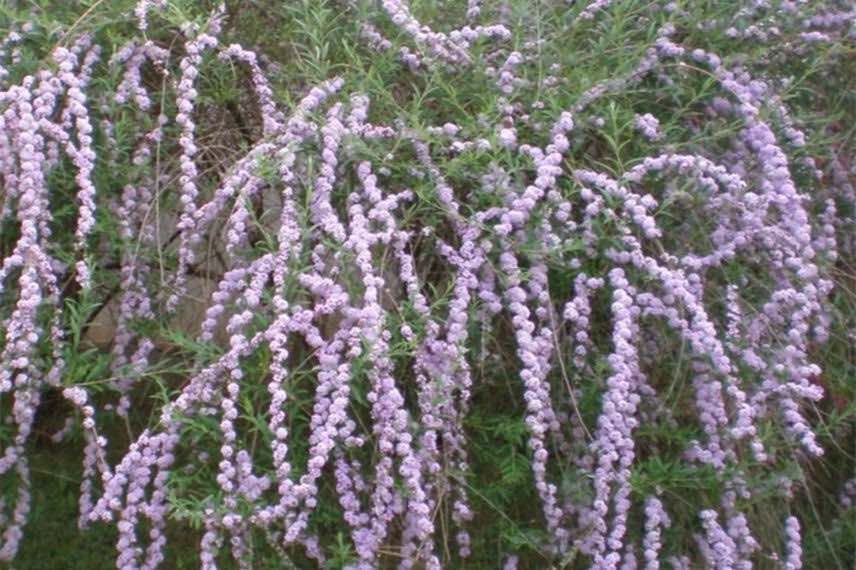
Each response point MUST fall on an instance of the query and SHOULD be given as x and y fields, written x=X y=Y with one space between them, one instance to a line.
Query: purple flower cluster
x=450 y=48
x=142 y=9
x=656 y=518
x=648 y=125
x=793 y=560
x=187 y=95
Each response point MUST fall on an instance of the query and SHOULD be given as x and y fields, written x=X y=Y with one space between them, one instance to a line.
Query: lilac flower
x=82 y=154
x=450 y=48
x=142 y=9
x=655 y=518
x=793 y=561
x=189 y=237
x=722 y=553
x=648 y=125
x=592 y=8
x=272 y=119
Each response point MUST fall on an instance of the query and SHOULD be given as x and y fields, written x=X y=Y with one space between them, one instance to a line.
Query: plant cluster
x=650 y=252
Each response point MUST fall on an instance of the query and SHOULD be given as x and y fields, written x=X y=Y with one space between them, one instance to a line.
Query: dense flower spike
x=648 y=125
x=452 y=48
x=82 y=154
x=188 y=235
x=364 y=278
x=141 y=11
x=793 y=560
x=655 y=519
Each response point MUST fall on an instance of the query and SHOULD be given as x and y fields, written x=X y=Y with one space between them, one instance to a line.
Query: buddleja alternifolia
x=325 y=269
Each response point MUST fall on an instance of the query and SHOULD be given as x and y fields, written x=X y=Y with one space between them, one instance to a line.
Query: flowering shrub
x=405 y=284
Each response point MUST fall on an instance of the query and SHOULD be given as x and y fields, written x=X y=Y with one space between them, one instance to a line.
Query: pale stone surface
x=187 y=320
